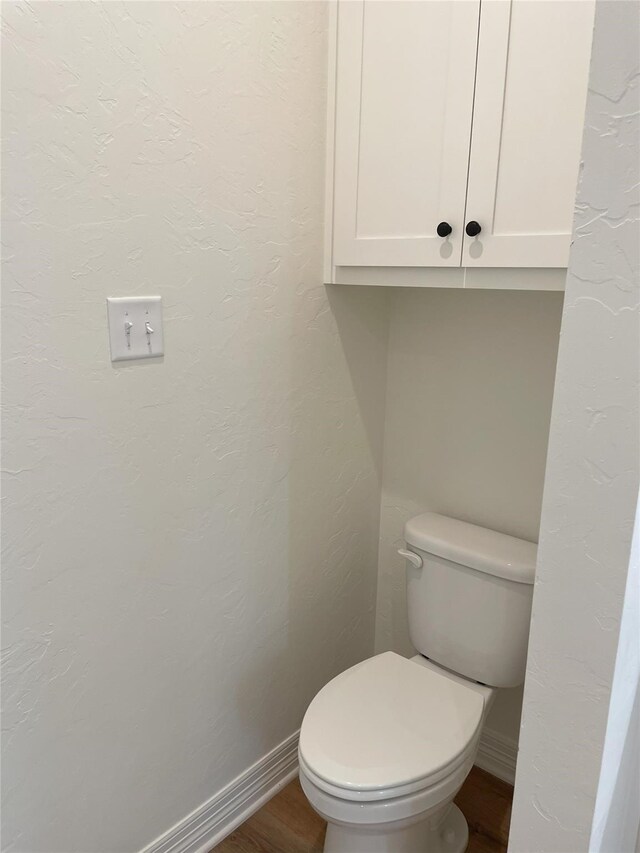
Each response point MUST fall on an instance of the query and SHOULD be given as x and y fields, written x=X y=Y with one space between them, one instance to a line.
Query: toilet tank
x=469 y=603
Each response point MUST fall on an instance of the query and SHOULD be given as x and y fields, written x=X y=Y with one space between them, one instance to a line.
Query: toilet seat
x=388 y=727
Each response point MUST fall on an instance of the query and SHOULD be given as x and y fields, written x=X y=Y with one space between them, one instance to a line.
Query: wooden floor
x=288 y=824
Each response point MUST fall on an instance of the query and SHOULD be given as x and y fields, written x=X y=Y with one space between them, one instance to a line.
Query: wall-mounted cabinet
x=455 y=133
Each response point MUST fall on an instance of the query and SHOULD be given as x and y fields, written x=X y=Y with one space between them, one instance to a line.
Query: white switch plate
x=138 y=342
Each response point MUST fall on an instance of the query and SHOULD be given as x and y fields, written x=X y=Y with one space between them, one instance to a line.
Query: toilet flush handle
x=414 y=559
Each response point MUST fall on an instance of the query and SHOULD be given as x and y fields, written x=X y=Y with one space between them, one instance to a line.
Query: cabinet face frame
x=422 y=247
x=491 y=199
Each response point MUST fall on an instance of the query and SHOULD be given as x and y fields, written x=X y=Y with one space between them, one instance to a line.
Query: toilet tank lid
x=476 y=547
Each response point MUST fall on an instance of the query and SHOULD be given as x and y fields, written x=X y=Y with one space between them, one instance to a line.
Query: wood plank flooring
x=288 y=824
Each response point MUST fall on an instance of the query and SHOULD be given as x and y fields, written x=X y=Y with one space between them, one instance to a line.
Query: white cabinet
x=455 y=111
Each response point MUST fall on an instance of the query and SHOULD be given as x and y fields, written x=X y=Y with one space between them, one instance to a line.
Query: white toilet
x=386 y=745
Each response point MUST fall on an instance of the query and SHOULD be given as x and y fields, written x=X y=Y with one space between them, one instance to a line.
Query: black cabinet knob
x=473 y=228
x=444 y=229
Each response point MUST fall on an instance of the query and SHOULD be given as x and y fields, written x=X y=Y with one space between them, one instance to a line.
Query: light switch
x=135 y=327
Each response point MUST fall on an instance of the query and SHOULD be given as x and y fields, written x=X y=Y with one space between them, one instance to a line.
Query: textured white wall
x=469 y=388
x=190 y=545
x=591 y=483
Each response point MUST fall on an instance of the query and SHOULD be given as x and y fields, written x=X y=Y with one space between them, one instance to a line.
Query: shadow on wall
x=327 y=499
x=339 y=351
x=440 y=403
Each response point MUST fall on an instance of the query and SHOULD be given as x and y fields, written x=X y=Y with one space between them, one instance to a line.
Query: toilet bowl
x=384 y=749
x=387 y=744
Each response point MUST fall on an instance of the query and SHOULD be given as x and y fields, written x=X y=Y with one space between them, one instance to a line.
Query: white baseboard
x=205 y=827
x=497 y=755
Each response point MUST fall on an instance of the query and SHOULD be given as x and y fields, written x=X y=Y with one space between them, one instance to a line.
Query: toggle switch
x=128 y=325
x=135 y=327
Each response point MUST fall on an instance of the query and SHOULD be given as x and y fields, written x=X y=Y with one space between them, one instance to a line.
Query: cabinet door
x=404 y=98
x=531 y=84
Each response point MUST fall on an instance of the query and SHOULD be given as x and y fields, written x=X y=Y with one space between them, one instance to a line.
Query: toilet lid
x=388 y=722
